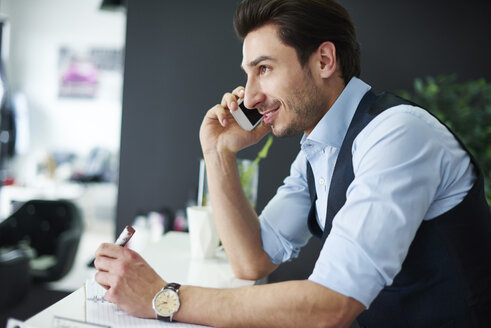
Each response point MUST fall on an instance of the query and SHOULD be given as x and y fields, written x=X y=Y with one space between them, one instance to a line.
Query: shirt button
x=322 y=181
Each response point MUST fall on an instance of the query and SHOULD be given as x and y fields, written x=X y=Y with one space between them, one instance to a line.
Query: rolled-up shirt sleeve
x=283 y=221
x=399 y=165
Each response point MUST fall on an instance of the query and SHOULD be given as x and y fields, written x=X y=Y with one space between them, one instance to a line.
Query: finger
x=109 y=250
x=220 y=113
x=229 y=101
x=261 y=131
x=103 y=263
x=103 y=279
x=239 y=91
x=226 y=99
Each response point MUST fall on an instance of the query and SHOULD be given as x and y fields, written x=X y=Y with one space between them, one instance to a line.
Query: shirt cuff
x=279 y=249
x=343 y=267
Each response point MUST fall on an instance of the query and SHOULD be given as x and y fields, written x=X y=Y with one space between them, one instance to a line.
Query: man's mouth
x=269 y=115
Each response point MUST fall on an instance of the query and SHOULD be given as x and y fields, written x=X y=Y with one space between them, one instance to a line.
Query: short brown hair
x=305 y=25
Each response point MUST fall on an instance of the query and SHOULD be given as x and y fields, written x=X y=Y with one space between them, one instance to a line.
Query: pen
x=123 y=238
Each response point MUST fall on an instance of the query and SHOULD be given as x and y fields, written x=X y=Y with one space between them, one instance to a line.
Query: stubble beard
x=308 y=105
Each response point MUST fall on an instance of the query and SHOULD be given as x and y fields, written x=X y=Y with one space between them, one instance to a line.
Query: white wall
x=38 y=28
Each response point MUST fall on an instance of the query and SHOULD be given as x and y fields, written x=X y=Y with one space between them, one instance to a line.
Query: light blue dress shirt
x=408 y=168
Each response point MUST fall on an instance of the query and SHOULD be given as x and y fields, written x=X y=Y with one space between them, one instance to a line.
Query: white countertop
x=170 y=257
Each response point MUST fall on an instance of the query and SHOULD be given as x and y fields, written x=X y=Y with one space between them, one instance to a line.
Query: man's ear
x=326 y=59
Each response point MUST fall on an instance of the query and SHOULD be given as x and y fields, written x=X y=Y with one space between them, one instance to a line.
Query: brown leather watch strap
x=174 y=286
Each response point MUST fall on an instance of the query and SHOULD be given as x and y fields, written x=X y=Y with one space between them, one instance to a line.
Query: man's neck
x=332 y=88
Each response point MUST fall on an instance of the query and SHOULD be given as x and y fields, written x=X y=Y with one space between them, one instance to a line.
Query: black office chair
x=15 y=277
x=50 y=230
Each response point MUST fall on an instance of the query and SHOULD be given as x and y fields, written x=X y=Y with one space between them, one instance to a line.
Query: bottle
x=156 y=225
x=180 y=222
x=142 y=233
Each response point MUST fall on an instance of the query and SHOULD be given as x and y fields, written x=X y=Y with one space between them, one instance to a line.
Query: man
x=395 y=198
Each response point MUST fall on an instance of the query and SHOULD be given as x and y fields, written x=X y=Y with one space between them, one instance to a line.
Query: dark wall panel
x=182 y=56
x=401 y=40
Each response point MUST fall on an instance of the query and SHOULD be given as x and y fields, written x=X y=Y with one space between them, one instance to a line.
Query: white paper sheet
x=100 y=311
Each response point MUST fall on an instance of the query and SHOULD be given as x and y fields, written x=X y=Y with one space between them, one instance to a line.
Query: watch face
x=166 y=302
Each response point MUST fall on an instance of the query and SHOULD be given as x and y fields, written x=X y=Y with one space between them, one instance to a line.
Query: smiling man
x=288 y=97
x=396 y=199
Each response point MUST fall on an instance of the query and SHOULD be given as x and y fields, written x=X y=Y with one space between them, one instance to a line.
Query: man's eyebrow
x=258 y=60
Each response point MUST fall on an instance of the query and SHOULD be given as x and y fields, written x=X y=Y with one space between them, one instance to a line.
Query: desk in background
x=170 y=257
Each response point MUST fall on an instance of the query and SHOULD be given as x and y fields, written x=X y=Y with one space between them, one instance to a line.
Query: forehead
x=265 y=42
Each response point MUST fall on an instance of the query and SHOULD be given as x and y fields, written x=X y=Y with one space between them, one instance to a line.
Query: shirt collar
x=332 y=128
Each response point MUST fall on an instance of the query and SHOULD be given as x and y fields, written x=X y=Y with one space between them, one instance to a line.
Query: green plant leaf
x=247 y=174
x=465 y=107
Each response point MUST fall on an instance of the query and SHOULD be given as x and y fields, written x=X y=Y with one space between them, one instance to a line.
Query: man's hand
x=130 y=282
x=220 y=133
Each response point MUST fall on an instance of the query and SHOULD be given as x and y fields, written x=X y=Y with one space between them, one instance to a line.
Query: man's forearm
x=236 y=219
x=302 y=304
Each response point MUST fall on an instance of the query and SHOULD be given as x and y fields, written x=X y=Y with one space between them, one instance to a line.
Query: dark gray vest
x=445 y=280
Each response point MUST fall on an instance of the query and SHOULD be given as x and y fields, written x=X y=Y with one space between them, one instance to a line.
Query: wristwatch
x=166 y=302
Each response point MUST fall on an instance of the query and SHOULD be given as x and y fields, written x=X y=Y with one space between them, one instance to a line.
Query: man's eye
x=263 y=69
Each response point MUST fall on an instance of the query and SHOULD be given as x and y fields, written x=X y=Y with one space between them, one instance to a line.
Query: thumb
x=261 y=130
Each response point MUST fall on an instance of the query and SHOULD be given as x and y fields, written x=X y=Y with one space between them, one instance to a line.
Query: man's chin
x=284 y=132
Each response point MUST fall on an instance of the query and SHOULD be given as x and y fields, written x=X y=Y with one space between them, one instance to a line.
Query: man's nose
x=253 y=95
